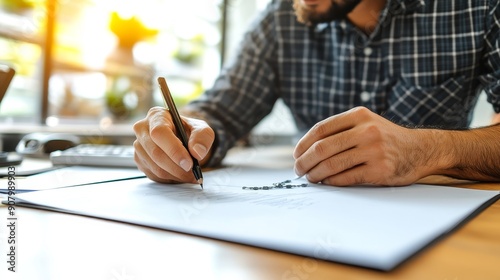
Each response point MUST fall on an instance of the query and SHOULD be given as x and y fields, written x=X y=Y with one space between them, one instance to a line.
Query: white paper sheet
x=376 y=227
x=71 y=176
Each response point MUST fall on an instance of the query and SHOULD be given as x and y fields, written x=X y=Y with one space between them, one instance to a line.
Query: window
x=21 y=37
x=99 y=59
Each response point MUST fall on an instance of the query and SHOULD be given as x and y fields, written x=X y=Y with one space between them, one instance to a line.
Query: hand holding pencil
x=160 y=151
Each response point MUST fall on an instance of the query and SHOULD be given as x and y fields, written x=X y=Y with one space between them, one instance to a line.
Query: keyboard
x=95 y=155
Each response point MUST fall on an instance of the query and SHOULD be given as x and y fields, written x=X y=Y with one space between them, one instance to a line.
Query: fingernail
x=184 y=164
x=200 y=150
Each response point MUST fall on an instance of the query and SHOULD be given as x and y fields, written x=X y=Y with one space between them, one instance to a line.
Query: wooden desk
x=62 y=246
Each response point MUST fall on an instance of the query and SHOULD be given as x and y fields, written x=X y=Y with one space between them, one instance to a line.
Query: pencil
x=167 y=96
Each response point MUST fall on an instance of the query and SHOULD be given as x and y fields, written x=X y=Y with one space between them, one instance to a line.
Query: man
x=384 y=89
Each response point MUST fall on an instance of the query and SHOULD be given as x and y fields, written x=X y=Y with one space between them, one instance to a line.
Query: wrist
x=436 y=151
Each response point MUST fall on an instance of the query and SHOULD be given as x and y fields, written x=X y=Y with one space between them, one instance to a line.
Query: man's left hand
x=361 y=147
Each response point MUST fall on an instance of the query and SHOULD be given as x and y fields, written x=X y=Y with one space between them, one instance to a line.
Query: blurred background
x=90 y=61
x=89 y=67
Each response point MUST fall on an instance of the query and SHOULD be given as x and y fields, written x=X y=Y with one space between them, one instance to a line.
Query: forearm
x=469 y=154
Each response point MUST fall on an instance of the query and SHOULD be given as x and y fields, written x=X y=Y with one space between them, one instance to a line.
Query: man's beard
x=336 y=12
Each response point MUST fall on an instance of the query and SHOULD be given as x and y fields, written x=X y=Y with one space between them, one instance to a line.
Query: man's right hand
x=159 y=153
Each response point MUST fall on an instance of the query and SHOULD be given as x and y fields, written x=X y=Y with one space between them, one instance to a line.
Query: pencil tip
x=200 y=181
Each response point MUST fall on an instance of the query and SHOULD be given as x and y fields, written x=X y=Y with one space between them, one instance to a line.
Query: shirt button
x=368 y=51
x=365 y=96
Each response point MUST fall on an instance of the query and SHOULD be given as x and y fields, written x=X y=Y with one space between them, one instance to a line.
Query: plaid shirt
x=424 y=64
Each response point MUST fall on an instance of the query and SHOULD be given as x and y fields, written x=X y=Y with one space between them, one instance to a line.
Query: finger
x=201 y=138
x=150 y=158
x=142 y=160
x=363 y=174
x=350 y=177
x=331 y=126
x=370 y=172
x=161 y=131
x=337 y=164
x=159 y=167
x=325 y=148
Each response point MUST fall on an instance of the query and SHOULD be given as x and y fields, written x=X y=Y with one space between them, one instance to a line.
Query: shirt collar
x=400 y=7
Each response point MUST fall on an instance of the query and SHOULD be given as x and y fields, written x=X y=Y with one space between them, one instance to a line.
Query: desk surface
x=62 y=246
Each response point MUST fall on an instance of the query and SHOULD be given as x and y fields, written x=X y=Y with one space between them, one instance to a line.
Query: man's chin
x=306 y=13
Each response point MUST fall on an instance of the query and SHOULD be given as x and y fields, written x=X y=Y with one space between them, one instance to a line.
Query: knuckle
x=156 y=153
x=137 y=127
x=373 y=131
x=341 y=163
x=154 y=110
x=319 y=129
x=361 y=111
x=332 y=166
x=137 y=145
x=318 y=148
x=157 y=132
x=203 y=133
